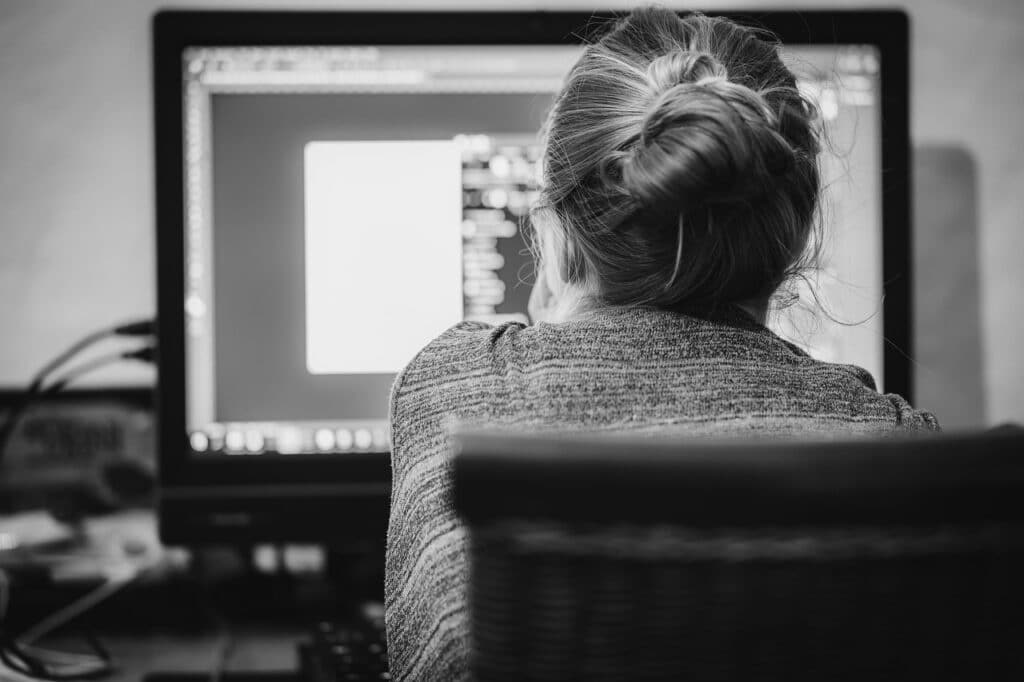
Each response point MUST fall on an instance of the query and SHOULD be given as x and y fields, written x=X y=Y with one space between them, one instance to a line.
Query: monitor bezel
x=223 y=483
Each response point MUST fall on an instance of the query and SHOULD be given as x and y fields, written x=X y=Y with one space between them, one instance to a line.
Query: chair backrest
x=610 y=557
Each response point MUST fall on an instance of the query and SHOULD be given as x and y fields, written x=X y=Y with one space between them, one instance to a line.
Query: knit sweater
x=635 y=369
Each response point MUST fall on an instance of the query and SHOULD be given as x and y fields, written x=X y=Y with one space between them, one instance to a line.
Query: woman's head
x=680 y=165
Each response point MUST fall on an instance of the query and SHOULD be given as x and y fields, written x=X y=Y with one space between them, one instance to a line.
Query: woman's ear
x=549 y=249
x=571 y=267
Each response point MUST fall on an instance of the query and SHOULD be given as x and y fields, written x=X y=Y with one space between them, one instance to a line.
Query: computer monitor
x=335 y=189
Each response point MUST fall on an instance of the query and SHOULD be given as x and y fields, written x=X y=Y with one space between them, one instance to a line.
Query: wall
x=76 y=183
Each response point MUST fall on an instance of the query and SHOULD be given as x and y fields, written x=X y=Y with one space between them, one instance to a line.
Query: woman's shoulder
x=473 y=362
x=464 y=350
x=851 y=391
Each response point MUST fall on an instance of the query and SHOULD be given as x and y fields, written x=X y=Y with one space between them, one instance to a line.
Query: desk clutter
x=103 y=599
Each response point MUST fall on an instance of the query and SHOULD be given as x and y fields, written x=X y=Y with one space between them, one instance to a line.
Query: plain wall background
x=76 y=182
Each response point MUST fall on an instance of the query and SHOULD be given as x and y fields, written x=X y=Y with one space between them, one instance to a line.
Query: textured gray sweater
x=634 y=369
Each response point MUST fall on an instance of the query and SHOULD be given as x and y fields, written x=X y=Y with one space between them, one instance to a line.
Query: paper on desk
x=31 y=529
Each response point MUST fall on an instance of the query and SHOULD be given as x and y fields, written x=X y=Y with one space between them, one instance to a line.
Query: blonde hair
x=680 y=164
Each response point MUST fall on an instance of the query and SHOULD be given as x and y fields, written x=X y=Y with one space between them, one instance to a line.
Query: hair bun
x=705 y=140
x=684 y=66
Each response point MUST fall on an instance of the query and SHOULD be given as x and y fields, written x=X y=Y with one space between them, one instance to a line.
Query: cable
x=224 y=651
x=225 y=639
x=75 y=349
x=5 y=596
x=143 y=354
x=23 y=657
x=9 y=674
x=225 y=642
x=75 y=608
x=145 y=327
x=56 y=656
x=17 y=659
x=137 y=328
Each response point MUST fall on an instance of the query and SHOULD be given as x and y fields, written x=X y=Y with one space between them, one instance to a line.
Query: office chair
x=610 y=558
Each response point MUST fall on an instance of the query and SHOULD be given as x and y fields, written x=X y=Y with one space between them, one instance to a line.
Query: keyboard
x=346 y=653
x=336 y=651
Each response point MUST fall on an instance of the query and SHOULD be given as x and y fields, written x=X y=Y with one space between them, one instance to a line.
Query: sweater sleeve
x=910 y=419
x=426 y=562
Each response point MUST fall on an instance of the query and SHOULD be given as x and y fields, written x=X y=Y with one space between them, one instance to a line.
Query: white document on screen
x=383 y=251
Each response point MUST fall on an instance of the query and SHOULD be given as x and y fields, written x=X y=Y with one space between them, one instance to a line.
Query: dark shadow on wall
x=949 y=379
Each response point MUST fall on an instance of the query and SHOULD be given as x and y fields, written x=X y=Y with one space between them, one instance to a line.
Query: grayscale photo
x=433 y=340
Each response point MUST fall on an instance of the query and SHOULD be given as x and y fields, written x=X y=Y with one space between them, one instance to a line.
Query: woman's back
x=680 y=173
x=614 y=369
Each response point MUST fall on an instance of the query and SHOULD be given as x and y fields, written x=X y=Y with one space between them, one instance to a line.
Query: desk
x=263 y=649
x=174 y=620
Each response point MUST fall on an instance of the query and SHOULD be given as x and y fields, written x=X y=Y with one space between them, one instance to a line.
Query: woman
x=679 y=194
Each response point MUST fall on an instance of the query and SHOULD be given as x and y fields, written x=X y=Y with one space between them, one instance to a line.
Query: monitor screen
x=346 y=204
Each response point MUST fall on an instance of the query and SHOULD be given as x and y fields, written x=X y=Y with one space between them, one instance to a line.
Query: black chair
x=610 y=558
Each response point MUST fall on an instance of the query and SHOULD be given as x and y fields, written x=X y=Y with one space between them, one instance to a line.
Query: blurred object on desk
x=101 y=556
x=35 y=543
x=80 y=453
